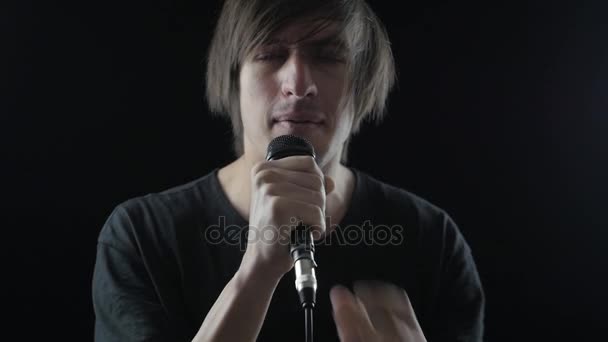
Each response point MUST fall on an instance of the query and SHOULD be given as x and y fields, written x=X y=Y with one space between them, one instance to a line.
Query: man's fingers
x=312 y=181
x=296 y=163
x=377 y=311
x=382 y=298
x=378 y=305
x=299 y=174
x=350 y=316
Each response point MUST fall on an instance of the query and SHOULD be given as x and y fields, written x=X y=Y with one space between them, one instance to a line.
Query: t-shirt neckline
x=349 y=215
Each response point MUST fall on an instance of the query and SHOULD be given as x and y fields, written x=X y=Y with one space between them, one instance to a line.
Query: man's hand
x=283 y=192
x=376 y=312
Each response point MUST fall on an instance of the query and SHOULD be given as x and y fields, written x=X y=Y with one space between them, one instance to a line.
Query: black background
x=500 y=117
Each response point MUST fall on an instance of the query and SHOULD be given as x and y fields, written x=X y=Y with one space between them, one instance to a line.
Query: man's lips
x=298 y=118
x=298 y=122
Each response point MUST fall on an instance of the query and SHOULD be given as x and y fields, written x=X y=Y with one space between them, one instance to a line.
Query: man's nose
x=297 y=77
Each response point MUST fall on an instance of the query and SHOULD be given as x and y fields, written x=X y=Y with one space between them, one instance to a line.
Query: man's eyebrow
x=331 y=41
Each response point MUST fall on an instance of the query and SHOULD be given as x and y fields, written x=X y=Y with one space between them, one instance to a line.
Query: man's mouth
x=298 y=118
x=298 y=122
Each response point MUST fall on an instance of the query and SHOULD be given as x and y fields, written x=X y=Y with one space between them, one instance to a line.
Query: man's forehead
x=307 y=33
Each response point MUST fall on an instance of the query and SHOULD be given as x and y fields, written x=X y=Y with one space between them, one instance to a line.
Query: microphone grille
x=289 y=145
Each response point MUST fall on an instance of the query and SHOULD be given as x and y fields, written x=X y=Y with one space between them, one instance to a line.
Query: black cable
x=308 y=322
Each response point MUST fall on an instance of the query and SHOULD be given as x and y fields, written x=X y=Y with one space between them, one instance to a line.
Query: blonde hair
x=245 y=24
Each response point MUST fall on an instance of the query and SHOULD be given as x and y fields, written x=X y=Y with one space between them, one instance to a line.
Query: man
x=168 y=267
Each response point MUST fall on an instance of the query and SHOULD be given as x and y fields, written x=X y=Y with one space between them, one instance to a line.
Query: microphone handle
x=302 y=252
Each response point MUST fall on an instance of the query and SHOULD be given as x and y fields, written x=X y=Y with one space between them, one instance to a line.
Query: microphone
x=302 y=247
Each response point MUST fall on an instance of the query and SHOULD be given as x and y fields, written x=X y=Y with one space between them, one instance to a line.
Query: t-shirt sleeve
x=126 y=305
x=461 y=299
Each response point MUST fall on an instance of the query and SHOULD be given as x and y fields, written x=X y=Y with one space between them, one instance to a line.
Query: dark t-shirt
x=164 y=258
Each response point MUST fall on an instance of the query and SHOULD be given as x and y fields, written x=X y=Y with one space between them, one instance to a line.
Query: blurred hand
x=283 y=192
x=377 y=311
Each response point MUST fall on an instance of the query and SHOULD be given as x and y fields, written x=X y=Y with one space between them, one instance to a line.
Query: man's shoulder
x=418 y=215
x=157 y=211
x=176 y=196
x=397 y=198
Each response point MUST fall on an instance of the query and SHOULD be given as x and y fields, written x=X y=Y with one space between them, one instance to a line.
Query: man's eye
x=330 y=57
x=269 y=56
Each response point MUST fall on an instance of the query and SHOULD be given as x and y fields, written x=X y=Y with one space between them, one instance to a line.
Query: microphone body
x=302 y=246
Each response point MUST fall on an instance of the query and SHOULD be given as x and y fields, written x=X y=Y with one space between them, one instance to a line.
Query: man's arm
x=459 y=315
x=126 y=303
x=128 y=308
x=239 y=311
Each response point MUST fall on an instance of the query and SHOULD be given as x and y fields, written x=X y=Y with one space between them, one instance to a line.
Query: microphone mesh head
x=289 y=145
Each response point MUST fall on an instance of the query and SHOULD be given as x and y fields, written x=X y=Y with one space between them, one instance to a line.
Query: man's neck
x=235 y=179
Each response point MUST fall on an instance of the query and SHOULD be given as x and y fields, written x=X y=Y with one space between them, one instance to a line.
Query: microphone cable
x=308 y=323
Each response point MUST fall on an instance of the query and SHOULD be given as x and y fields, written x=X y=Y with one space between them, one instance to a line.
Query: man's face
x=294 y=86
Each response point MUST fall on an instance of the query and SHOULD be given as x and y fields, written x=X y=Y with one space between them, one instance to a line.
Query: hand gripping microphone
x=302 y=247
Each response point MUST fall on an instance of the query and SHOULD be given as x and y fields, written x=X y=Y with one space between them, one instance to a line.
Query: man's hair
x=243 y=25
